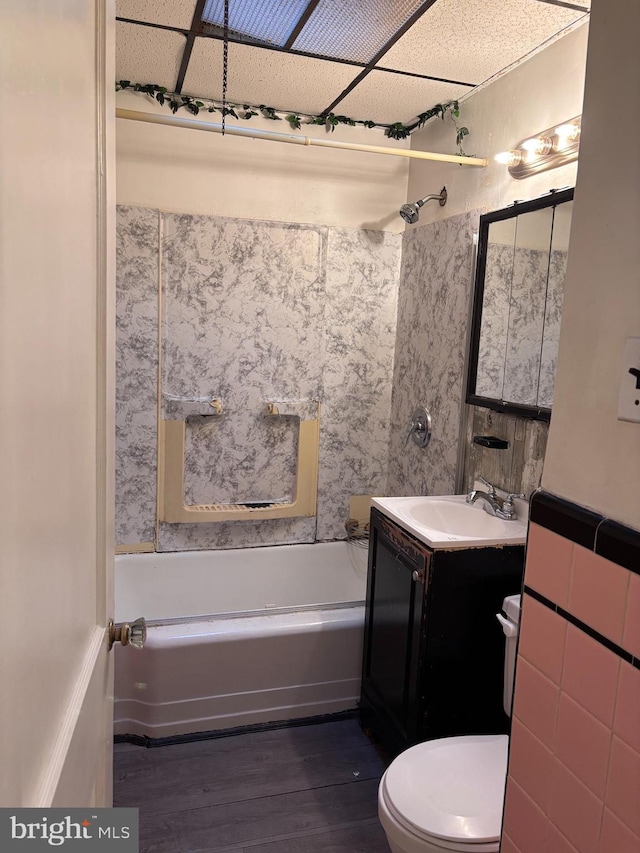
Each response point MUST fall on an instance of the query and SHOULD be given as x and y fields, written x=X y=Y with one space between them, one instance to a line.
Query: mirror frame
x=552 y=199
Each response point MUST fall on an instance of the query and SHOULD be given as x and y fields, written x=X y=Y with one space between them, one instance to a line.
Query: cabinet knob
x=415 y=575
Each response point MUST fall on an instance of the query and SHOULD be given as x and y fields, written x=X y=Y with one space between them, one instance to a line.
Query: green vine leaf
x=294 y=121
x=331 y=122
x=397 y=131
x=460 y=134
x=270 y=113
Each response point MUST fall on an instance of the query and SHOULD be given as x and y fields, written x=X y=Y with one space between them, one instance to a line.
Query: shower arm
x=441 y=197
x=273 y=136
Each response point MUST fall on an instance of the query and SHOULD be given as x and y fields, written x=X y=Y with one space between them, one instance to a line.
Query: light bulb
x=509 y=158
x=566 y=134
x=537 y=145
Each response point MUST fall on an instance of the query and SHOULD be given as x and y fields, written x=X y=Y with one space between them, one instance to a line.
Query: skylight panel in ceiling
x=270 y=21
x=353 y=29
x=342 y=29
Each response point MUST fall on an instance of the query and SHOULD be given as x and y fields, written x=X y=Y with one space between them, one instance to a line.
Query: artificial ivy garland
x=397 y=130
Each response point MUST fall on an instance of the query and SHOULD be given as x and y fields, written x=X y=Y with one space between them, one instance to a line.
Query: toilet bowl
x=447 y=794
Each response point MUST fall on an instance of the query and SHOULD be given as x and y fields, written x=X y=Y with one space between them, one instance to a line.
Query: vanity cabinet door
x=398 y=570
x=433 y=648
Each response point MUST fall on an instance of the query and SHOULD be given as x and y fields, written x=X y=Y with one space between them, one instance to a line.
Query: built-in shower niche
x=273 y=474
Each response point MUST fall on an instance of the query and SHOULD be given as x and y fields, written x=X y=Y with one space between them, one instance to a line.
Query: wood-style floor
x=302 y=789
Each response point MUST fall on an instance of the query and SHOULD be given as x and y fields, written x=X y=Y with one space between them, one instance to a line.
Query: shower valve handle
x=420 y=427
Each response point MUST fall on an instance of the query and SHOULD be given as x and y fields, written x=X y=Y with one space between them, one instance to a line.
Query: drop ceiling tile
x=146 y=55
x=388 y=98
x=471 y=40
x=170 y=13
x=259 y=76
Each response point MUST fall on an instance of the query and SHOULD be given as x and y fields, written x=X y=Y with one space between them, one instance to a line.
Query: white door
x=56 y=418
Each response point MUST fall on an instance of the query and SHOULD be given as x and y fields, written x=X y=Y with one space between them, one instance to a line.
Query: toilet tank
x=510 y=621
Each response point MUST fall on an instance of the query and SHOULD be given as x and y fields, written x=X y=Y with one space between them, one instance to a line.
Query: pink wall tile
x=626 y=722
x=590 y=674
x=575 y=810
x=542 y=634
x=536 y=702
x=615 y=837
x=631 y=639
x=557 y=843
x=531 y=764
x=524 y=822
x=623 y=784
x=583 y=744
x=548 y=568
x=598 y=594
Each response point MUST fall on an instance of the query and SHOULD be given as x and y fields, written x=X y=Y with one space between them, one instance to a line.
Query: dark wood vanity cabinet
x=433 y=648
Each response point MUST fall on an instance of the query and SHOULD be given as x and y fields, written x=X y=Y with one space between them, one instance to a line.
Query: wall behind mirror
x=522 y=256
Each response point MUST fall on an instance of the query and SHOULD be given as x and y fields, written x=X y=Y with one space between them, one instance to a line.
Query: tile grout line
x=617 y=650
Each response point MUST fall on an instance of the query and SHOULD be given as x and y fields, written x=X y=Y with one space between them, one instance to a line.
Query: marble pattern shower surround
x=136 y=374
x=257 y=311
x=363 y=268
x=433 y=308
x=243 y=304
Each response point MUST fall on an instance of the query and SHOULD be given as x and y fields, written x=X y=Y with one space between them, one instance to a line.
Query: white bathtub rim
x=253 y=614
x=262 y=625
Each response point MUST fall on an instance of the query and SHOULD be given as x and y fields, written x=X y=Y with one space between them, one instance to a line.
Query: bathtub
x=239 y=637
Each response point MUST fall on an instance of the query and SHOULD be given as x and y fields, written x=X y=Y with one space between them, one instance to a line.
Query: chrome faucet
x=492 y=503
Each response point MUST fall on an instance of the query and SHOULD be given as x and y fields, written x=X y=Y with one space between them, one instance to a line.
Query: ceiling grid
x=368 y=59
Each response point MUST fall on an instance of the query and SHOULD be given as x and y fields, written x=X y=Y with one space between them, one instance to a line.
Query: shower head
x=411 y=212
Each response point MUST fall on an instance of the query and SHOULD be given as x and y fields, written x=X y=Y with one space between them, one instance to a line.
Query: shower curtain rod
x=233 y=130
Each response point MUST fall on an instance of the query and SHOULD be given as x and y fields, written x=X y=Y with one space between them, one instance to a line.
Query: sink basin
x=450 y=522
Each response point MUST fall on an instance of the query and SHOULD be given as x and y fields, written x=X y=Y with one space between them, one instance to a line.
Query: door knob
x=134 y=634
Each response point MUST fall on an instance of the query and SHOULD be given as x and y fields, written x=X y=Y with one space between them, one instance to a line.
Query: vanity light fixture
x=509 y=158
x=549 y=149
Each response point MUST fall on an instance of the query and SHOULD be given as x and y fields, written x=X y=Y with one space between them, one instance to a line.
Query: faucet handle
x=507 y=504
x=489 y=486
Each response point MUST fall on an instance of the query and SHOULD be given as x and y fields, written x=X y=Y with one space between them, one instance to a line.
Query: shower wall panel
x=363 y=268
x=433 y=306
x=136 y=374
x=260 y=311
x=243 y=319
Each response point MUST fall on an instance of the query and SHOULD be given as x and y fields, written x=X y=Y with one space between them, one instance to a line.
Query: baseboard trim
x=173 y=740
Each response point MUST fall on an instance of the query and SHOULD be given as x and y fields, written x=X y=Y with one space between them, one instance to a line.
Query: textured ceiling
x=460 y=43
x=170 y=13
x=280 y=80
x=474 y=39
x=145 y=55
x=392 y=97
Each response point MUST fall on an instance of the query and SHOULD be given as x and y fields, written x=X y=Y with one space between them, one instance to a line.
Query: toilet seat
x=449 y=792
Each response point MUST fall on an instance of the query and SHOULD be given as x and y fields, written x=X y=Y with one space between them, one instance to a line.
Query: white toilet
x=447 y=794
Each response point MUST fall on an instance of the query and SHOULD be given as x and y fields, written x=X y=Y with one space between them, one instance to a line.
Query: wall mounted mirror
x=522 y=258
